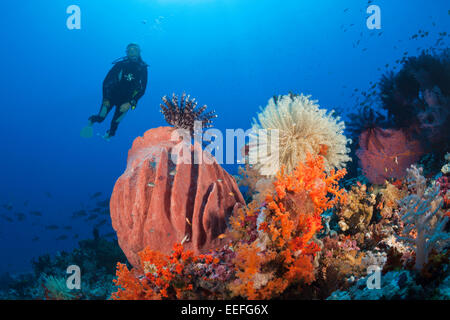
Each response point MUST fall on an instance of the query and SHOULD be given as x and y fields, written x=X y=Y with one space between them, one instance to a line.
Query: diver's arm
x=143 y=81
x=111 y=78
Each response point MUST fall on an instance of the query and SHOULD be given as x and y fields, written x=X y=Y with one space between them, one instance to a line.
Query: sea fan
x=366 y=119
x=303 y=128
x=183 y=114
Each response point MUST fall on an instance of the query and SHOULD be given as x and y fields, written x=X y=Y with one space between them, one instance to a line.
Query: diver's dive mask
x=133 y=51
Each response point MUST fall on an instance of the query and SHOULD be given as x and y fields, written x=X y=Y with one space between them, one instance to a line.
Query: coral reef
x=302 y=231
x=178 y=275
x=302 y=128
x=271 y=251
x=423 y=218
x=422 y=82
x=157 y=202
x=403 y=284
x=97 y=259
x=55 y=288
x=257 y=185
x=416 y=101
x=395 y=285
x=444 y=184
x=183 y=113
x=446 y=168
x=356 y=214
x=417 y=98
x=274 y=249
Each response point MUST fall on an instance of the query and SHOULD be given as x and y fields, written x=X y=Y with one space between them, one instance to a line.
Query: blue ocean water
x=232 y=55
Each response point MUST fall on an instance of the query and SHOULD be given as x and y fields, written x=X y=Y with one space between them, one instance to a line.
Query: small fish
x=102 y=222
x=62 y=237
x=20 y=216
x=385 y=170
x=76 y=236
x=81 y=213
x=36 y=213
x=35 y=239
x=103 y=204
x=187 y=220
x=67 y=227
x=231 y=194
x=219 y=180
x=185 y=239
x=110 y=234
x=221 y=236
x=150 y=184
x=346 y=9
x=96 y=195
x=49 y=195
x=7 y=218
x=396 y=160
x=92 y=217
x=52 y=227
x=173 y=172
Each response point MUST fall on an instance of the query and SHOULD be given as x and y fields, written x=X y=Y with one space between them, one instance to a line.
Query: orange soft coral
x=130 y=287
x=285 y=251
x=164 y=276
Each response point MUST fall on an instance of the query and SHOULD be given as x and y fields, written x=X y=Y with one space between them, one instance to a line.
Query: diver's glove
x=133 y=104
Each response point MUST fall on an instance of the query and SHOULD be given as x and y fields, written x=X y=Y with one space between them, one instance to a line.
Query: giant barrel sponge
x=157 y=203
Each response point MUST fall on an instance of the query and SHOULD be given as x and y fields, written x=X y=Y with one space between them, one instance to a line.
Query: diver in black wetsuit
x=123 y=86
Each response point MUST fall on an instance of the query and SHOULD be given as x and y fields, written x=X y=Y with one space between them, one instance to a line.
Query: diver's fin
x=105 y=137
x=87 y=132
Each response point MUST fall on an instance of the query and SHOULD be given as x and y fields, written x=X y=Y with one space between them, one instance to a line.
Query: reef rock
x=387 y=153
x=394 y=285
x=160 y=200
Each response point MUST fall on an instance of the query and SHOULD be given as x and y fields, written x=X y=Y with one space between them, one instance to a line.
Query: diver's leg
x=104 y=110
x=118 y=116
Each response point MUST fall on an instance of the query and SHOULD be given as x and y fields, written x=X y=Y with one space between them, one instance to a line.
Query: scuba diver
x=123 y=86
